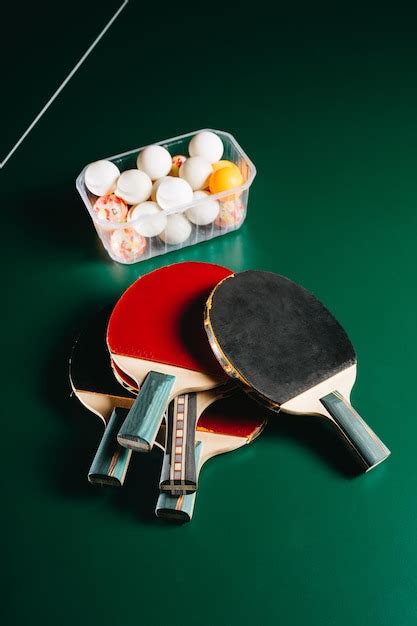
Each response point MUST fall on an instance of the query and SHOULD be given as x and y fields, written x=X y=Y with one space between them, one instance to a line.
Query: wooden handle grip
x=179 y=474
x=111 y=461
x=364 y=442
x=142 y=423
x=179 y=508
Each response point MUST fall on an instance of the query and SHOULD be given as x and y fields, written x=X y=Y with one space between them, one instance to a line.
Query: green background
x=286 y=531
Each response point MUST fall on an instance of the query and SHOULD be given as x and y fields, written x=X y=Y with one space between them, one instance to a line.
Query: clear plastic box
x=233 y=204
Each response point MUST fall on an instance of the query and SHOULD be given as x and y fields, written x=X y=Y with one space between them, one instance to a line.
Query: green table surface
x=324 y=101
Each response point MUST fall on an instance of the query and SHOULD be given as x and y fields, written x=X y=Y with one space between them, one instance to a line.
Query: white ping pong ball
x=133 y=186
x=147 y=219
x=177 y=230
x=155 y=161
x=207 y=145
x=196 y=171
x=156 y=185
x=204 y=212
x=101 y=177
x=173 y=193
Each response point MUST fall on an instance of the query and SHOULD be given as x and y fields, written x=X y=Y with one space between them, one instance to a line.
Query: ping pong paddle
x=156 y=336
x=284 y=346
x=176 y=410
x=227 y=425
x=94 y=385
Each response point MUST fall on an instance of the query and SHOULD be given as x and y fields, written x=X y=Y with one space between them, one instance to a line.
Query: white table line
x=61 y=87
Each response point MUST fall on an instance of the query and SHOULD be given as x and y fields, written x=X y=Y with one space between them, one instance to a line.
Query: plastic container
x=233 y=205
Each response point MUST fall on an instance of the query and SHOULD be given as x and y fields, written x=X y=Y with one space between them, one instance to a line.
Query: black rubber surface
x=90 y=368
x=277 y=335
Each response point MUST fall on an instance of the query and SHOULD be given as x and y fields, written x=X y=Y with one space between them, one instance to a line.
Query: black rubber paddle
x=289 y=351
x=94 y=385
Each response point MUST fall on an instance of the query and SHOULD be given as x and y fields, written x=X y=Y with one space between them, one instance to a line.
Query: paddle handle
x=111 y=461
x=364 y=442
x=141 y=426
x=179 y=473
x=179 y=508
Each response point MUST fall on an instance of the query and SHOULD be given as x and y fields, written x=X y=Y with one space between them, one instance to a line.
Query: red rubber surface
x=236 y=416
x=160 y=318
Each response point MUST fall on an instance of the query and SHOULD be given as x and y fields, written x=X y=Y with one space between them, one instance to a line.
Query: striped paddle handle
x=143 y=421
x=364 y=442
x=111 y=461
x=179 y=473
x=179 y=508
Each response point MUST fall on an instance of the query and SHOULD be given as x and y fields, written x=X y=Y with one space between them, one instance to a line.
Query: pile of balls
x=146 y=199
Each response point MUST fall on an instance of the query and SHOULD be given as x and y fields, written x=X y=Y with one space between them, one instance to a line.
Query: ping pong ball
x=232 y=213
x=196 y=171
x=147 y=219
x=133 y=186
x=101 y=177
x=173 y=192
x=155 y=161
x=221 y=164
x=177 y=230
x=177 y=161
x=203 y=213
x=206 y=145
x=225 y=178
x=156 y=185
x=110 y=208
x=127 y=244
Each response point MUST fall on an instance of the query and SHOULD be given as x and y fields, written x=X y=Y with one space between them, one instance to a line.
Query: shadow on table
x=317 y=437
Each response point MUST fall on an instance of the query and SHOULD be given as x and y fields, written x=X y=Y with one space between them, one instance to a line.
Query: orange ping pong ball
x=225 y=178
x=220 y=164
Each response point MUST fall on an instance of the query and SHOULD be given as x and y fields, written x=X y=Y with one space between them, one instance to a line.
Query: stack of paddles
x=169 y=365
